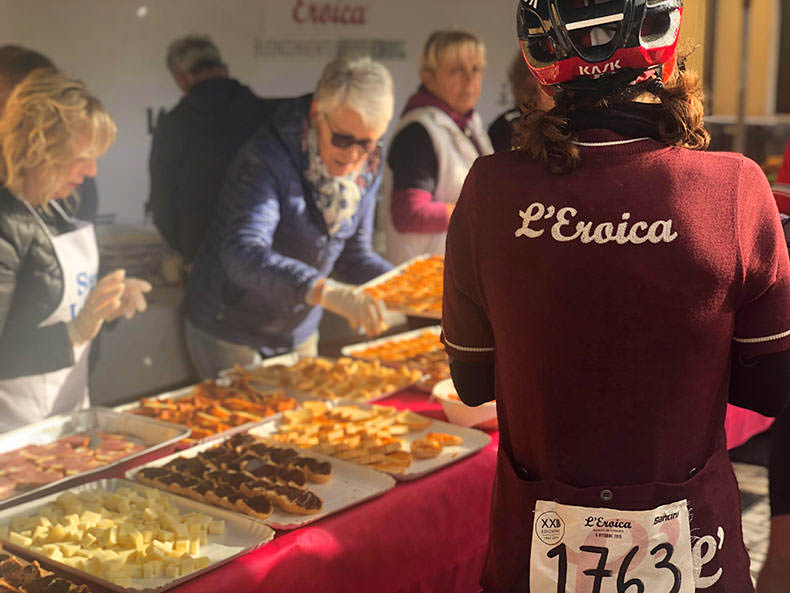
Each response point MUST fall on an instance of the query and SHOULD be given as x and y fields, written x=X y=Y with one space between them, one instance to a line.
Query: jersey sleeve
x=762 y=320
x=466 y=330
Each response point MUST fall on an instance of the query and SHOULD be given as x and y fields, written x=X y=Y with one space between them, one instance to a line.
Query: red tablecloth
x=426 y=536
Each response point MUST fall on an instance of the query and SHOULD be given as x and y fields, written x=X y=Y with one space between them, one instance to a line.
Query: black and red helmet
x=598 y=44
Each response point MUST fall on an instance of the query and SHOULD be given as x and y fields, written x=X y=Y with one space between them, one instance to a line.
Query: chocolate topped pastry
x=6 y=587
x=238 y=441
x=234 y=479
x=190 y=466
x=214 y=475
x=297 y=500
x=257 y=506
x=317 y=471
x=202 y=487
x=223 y=491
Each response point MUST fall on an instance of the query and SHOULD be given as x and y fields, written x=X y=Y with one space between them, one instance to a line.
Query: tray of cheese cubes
x=128 y=537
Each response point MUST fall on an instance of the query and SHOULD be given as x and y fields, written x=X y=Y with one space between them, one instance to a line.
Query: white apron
x=29 y=399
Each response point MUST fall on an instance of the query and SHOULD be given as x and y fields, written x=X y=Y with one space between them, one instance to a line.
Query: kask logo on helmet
x=599 y=69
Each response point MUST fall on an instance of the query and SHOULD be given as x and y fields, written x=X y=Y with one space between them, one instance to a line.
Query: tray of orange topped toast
x=331 y=379
x=413 y=288
x=281 y=485
x=399 y=442
x=419 y=349
x=214 y=408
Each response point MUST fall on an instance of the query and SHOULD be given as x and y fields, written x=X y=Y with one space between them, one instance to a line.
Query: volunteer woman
x=437 y=139
x=297 y=207
x=621 y=285
x=51 y=133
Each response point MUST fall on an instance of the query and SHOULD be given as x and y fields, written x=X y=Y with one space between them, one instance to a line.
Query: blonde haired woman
x=51 y=133
x=438 y=138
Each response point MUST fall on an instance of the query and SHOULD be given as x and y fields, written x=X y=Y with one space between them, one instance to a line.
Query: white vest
x=455 y=153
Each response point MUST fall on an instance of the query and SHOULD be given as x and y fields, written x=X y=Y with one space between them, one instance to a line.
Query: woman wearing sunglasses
x=438 y=138
x=297 y=207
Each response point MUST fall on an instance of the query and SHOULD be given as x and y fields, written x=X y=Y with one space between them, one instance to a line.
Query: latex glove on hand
x=353 y=303
x=103 y=302
x=132 y=299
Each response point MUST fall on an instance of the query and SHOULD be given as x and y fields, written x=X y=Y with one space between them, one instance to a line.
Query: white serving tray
x=473 y=441
x=396 y=272
x=350 y=485
x=242 y=535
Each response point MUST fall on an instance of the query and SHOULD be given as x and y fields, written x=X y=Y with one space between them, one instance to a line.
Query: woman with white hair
x=52 y=130
x=297 y=206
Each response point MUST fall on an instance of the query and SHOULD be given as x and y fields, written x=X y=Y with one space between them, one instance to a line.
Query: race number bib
x=588 y=550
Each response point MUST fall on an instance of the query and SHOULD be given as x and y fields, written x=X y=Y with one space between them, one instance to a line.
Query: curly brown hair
x=548 y=137
x=49 y=121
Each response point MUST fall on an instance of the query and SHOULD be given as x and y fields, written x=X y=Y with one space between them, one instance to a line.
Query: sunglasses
x=346 y=141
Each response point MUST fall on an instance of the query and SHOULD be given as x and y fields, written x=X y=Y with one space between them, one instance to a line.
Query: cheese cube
x=44 y=521
x=216 y=527
x=134 y=571
x=72 y=520
x=69 y=549
x=150 y=514
x=89 y=518
x=40 y=534
x=152 y=568
x=187 y=564
x=57 y=533
x=89 y=540
x=202 y=562
x=203 y=538
x=172 y=571
x=194 y=546
x=181 y=547
x=181 y=530
x=167 y=536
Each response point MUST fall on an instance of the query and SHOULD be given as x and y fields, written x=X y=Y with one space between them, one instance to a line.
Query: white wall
x=118 y=46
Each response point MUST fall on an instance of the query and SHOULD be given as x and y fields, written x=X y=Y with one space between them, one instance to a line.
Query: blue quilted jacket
x=268 y=243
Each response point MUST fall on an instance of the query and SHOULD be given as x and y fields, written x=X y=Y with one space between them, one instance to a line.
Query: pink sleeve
x=415 y=211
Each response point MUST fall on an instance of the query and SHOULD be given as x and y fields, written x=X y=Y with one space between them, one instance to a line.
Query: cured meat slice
x=35 y=477
x=76 y=440
x=7 y=486
x=115 y=445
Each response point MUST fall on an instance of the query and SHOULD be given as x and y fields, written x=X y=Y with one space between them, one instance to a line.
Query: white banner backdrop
x=277 y=47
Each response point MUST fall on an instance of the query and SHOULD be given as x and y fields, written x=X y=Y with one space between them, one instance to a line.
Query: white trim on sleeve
x=466 y=348
x=763 y=339
x=610 y=143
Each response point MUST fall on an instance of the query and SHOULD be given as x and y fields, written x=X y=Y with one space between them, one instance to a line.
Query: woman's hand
x=353 y=303
x=132 y=299
x=102 y=303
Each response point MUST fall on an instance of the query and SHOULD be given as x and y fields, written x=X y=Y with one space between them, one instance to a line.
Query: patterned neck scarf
x=336 y=197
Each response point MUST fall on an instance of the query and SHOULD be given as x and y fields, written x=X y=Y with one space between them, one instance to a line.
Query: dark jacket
x=31 y=287
x=191 y=149
x=268 y=243
x=501 y=131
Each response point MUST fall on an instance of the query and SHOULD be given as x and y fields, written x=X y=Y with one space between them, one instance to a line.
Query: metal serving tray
x=473 y=441
x=350 y=485
x=157 y=435
x=303 y=396
x=397 y=271
x=184 y=392
x=352 y=349
x=242 y=535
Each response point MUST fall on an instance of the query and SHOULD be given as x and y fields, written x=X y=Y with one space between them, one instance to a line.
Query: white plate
x=396 y=272
x=459 y=413
x=242 y=535
x=473 y=441
x=350 y=485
